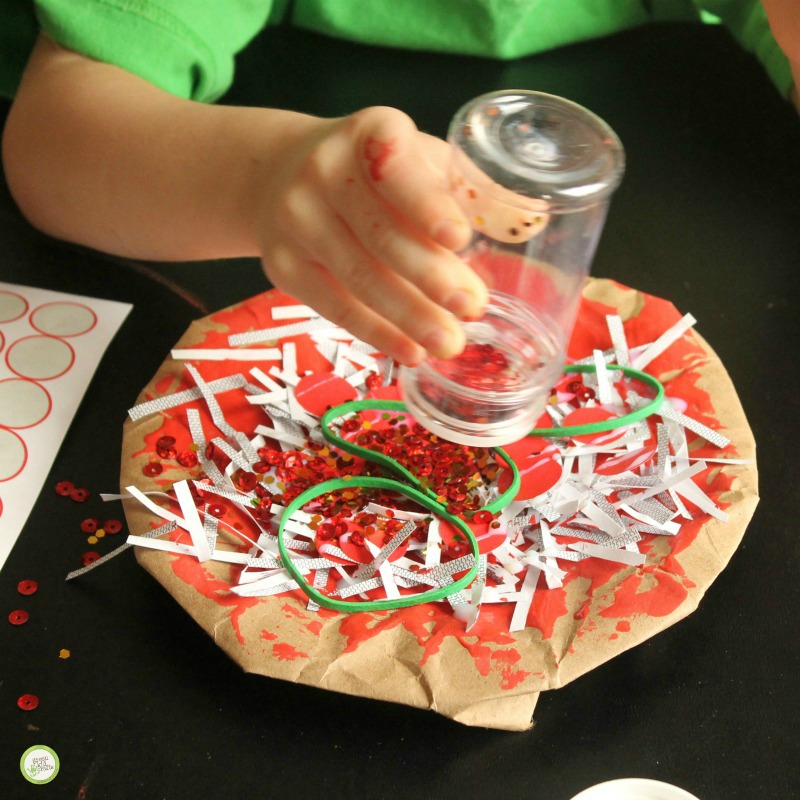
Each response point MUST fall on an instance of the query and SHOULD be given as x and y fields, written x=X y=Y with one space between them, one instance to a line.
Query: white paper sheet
x=50 y=346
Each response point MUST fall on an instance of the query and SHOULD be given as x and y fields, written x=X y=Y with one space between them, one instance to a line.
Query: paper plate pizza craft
x=279 y=491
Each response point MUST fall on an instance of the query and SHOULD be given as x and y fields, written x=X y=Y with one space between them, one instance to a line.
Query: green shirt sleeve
x=185 y=47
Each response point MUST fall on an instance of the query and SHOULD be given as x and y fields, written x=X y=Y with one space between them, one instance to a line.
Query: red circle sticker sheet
x=50 y=346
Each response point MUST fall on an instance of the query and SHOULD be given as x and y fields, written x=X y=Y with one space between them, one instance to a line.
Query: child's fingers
x=434 y=270
x=331 y=243
x=311 y=283
x=406 y=169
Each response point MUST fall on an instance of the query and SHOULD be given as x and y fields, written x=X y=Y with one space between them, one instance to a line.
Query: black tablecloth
x=707 y=216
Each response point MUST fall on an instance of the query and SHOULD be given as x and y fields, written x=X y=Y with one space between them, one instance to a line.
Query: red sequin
x=28 y=702
x=152 y=468
x=483 y=516
x=188 y=459
x=573 y=387
x=373 y=382
x=27 y=587
x=165 y=447
x=216 y=510
x=357 y=539
x=79 y=495
x=18 y=617
x=326 y=532
x=90 y=525
x=89 y=558
x=65 y=488
x=112 y=526
x=246 y=481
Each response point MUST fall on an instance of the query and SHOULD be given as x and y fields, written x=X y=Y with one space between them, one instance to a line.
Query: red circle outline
x=24 y=310
x=24 y=460
x=39 y=421
x=41 y=336
x=62 y=303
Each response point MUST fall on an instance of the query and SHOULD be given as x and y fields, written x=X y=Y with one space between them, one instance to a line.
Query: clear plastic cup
x=534 y=174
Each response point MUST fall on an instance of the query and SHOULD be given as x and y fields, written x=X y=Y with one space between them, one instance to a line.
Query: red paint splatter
x=377 y=153
x=292 y=611
x=315 y=627
x=511 y=678
x=284 y=651
x=269 y=637
x=191 y=571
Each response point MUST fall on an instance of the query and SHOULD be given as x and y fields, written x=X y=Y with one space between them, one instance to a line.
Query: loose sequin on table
x=28 y=702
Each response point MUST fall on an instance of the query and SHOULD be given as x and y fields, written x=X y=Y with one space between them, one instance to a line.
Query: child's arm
x=784 y=20
x=350 y=216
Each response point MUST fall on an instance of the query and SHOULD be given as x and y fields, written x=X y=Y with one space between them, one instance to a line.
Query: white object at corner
x=634 y=789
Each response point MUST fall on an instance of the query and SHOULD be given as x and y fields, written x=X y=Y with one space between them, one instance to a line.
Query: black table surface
x=707 y=216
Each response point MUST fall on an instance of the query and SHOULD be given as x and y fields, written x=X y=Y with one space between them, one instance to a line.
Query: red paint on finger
x=377 y=153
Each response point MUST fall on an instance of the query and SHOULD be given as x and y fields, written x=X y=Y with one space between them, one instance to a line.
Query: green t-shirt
x=187 y=47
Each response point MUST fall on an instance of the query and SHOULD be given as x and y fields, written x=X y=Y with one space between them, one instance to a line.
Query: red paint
x=269 y=637
x=509 y=676
x=315 y=627
x=623 y=626
x=284 y=651
x=317 y=392
x=292 y=611
x=539 y=464
x=377 y=153
x=191 y=571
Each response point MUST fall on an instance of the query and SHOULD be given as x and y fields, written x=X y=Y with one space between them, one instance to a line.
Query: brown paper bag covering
x=492 y=678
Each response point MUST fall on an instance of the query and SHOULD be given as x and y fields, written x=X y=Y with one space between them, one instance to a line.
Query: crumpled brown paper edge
x=387 y=666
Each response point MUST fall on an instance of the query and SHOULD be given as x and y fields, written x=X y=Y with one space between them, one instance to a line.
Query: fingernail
x=444 y=342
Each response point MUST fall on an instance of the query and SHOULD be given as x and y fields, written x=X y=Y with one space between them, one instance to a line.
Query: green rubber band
x=375 y=605
x=615 y=422
x=355 y=406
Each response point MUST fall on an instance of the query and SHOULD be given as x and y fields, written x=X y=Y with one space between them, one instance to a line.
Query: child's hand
x=359 y=225
x=351 y=216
